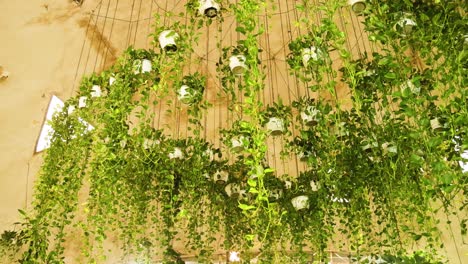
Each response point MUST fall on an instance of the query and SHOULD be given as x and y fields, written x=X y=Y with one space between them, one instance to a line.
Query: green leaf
x=246 y=207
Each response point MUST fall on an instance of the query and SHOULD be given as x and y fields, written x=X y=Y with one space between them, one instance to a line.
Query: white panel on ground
x=55 y=106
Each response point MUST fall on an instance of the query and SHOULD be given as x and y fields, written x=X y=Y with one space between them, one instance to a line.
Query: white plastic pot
x=208 y=8
x=339 y=130
x=82 y=101
x=435 y=124
x=184 y=94
x=465 y=37
x=389 y=148
x=167 y=40
x=149 y=143
x=310 y=53
x=111 y=80
x=176 y=154
x=220 y=177
x=410 y=85
x=232 y=189
x=287 y=185
x=303 y=156
x=210 y=154
x=464 y=163
x=275 y=126
x=275 y=194
x=405 y=25
x=96 y=91
x=367 y=146
x=237 y=64
x=236 y=143
x=300 y=202
x=71 y=109
x=146 y=66
x=357 y=5
x=314 y=185
x=310 y=115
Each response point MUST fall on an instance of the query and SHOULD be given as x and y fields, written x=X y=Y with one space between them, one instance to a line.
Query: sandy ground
x=41 y=41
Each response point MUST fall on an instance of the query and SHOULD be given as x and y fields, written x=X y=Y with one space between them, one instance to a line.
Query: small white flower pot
x=357 y=5
x=464 y=163
x=111 y=80
x=220 y=177
x=176 y=154
x=149 y=143
x=82 y=101
x=208 y=8
x=288 y=185
x=209 y=154
x=406 y=24
x=167 y=40
x=314 y=185
x=275 y=195
x=436 y=125
x=146 y=66
x=71 y=109
x=236 y=144
x=367 y=145
x=310 y=115
x=339 y=130
x=123 y=143
x=410 y=85
x=389 y=148
x=183 y=94
x=303 y=156
x=232 y=190
x=310 y=53
x=300 y=202
x=339 y=200
x=275 y=126
x=237 y=64
x=465 y=41
x=96 y=91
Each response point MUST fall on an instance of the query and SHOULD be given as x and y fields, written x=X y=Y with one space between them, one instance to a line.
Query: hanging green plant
x=277 y=118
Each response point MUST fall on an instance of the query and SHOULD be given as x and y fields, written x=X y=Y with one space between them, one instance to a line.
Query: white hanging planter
x=176 y=154
x=208 y=8
x=220 y=177
x=71 y=109
x=96 y=91
x=236 y=144
x=310 y=115
x=436 y=125
x=146 y=66
x=411 y=86
x=310 y=53
x=367 y=146
x=303 y=156
x=275 y=194
x=405 y=25
x=314 y=186
x=167 y=40
x=339 y=130
x=184 y=95
x=237 y=64
x=150 y=143
x=465 y=41
x=357 y=5
x=275 y=126
x=389 y=148
x=209 y=154
x=300 y=202
x=232 y=190
x=111 y=80
x=82 y=101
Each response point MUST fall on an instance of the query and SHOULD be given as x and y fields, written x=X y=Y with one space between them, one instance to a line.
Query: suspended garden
x=287 y=170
